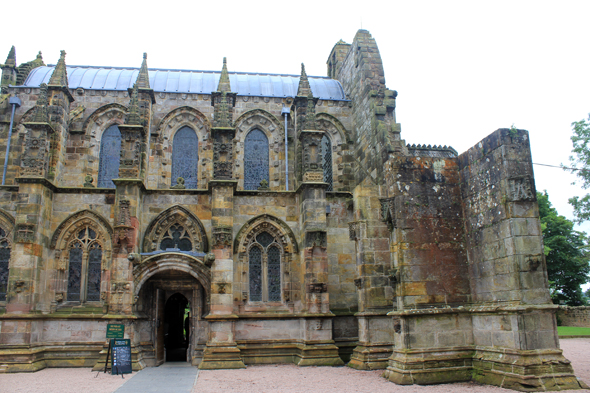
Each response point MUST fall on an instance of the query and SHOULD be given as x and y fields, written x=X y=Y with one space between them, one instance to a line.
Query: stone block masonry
x=161 y=202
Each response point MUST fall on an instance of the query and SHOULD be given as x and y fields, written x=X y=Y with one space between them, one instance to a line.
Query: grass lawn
x=573 y=331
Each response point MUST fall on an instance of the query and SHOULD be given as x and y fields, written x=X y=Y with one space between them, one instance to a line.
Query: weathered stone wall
x=503 y=233
x=373 y=117
x=427 y=232
x=574 y=316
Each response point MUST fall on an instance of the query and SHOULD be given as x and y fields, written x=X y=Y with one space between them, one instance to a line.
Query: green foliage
x=580 y=163
x=567 y=254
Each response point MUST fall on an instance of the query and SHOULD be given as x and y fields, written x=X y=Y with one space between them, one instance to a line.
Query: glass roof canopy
x=187 y=81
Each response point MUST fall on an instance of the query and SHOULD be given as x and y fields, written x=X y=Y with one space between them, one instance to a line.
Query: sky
x=462 y=69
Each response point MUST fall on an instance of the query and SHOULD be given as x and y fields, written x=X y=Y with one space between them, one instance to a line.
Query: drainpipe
x=15 y=102
x=285 y=111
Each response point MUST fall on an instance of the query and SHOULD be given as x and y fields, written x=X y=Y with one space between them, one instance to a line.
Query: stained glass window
x=274 y=274
x=185 y=157
x=327 y=161
x=265 y=255
x=255 y=262
x=4 y=264
x=94 y=272
x=75 y=272
x=85 y=267
x=110 y=156
x=255 y=159
x=176 y=237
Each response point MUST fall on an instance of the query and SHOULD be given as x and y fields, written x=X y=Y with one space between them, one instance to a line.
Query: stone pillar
x=374 y=268
x=318 y=327
x=221 y=350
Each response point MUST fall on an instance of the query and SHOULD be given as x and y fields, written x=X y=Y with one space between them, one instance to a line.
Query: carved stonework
x=315 y=324
x=222 y=237
x=316 y=239
x=358 y=282
x=186 y=227
x=357 y=229
x=120 y=286
x=388 y=212
x=317 y=287
x=131 y=163
x=124 y=231
x=36 y=153
x=209 y=259
x=353 y=228
x=88 y=181
x=24 y=233
x=19 y=286
x=521 y=189
x=311 y=143
x=223 y=155
x=313 y=177
x=180 y=117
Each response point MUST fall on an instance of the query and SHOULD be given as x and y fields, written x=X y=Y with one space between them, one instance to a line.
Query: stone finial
x=38 y=62
x=60 y=74
x=11 y=59
x=224 y=85
x=310 y=122
x=304 y=89
x=143 y=78
x=41 y=115
x=133 y=117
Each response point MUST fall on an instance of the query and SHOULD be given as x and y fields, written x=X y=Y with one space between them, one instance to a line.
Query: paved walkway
x=170 y=377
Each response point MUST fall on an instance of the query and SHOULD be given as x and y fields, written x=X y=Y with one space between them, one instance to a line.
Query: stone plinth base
x=525 y=371
x=17 y=359
x=370 y=357
x=318 y=355
x=276 y=351
x=424 y=367
x=221 y=357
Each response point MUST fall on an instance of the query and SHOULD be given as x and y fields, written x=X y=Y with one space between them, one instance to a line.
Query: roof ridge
x=187 y=70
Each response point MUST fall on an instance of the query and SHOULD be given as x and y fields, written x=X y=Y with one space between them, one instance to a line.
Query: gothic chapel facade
x=229 y=219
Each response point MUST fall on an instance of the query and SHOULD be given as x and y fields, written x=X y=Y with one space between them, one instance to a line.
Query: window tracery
x=256 y=160
x=5 y=248
x=264 y=262
x=110 y=157
x=175 y=228
x=84 y=270
x=185 y=157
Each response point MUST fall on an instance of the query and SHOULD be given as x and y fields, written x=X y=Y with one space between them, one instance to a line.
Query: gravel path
x=261 y=379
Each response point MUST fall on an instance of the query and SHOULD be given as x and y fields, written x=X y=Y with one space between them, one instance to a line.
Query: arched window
x=4 y=264
x=255 y=159
x=110 y=156
x=185 y=157
x=264 y=265
x=327 y=161
x=84 y=271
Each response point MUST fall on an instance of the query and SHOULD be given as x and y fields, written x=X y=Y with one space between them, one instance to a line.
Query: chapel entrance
x=175 y=303
x=176 y=327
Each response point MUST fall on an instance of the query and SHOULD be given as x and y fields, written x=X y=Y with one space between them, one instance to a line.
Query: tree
x=580 y=166
x=567 y=254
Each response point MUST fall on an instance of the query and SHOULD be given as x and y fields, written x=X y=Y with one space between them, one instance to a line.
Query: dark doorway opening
x=176 y=317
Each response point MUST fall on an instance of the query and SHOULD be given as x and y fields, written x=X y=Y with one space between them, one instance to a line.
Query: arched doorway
x=174 y=304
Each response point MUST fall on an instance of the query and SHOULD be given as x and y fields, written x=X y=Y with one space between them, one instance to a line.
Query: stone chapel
x=234 y=218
